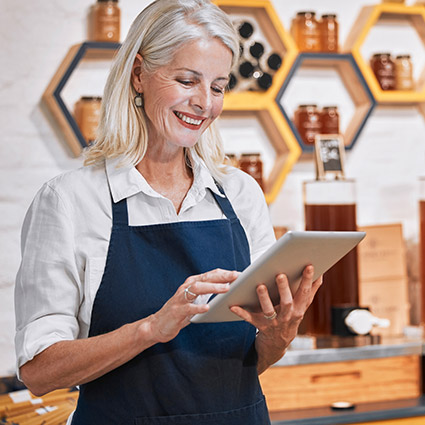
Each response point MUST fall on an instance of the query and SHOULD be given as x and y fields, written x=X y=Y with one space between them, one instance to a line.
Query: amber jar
x=232 y=160
x=403 y=73
x=306 y=32
x=87 y=114
x=384 y=69
x=329 y=34
x=308 y=122
x=329 y=117
x=106 y=21
x=251 y=163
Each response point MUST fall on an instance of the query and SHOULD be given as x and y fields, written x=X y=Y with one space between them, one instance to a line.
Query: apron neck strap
x=224 y=203
x=120 y=212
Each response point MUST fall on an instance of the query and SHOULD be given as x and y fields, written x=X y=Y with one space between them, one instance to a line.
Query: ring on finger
x=272 y=316
x=188 y=292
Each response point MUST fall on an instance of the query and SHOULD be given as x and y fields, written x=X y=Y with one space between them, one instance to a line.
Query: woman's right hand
x=179 y=309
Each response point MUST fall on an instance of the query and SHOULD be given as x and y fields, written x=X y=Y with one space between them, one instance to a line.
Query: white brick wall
x=386 y=161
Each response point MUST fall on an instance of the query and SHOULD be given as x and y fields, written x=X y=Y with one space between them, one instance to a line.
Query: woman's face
x=183 y=98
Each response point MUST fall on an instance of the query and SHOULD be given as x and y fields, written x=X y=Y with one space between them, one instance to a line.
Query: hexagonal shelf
x=52 y=95
x=277 y=130
x=261 y=104
x=368 y=18
x=352 y=80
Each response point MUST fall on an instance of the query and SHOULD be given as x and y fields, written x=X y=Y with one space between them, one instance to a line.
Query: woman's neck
x=168 y=174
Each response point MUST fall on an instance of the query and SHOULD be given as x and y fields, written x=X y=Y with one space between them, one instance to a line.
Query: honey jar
x=252 y=164
x=308 y=122
x=329 y=118
x=403 y=73
x=329 y=34
x=384 y=69
x=106 y=21
x=306 y=32
x=87 y=114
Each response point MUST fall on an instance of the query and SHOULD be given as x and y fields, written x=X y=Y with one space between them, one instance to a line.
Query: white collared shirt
x=66 y=232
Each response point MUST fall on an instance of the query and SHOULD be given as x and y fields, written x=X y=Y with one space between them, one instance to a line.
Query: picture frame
x=329 y=150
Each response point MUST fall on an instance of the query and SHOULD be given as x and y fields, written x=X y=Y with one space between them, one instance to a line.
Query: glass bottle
x=384 y=69
x=308 y=123
x=329 y=34
x=329 y=118
x=306 y=32
x=252 y=164
x=106 y=21
x=87 y=115
x=403 y=73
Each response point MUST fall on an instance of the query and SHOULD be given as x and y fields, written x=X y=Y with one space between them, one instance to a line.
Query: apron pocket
x=255 y=414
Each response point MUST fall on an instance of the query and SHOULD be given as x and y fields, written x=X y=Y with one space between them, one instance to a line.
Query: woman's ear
x=136 y=73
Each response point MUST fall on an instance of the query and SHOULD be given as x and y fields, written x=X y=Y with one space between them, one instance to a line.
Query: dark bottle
x=274 y=61
x=264 y=81
x=246 y=69
x=232 y=82
x=245 y=30
x=256 y=49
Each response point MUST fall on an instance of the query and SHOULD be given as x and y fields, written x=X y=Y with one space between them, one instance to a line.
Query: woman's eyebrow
x=198 y=74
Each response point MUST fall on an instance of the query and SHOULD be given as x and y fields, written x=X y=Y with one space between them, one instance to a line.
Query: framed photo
x=329 y=154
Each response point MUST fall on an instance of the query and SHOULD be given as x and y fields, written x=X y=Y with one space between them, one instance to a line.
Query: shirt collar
x=125 y=180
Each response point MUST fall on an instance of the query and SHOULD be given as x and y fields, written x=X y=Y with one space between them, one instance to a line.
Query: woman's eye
x=217 y=90
x=185 y=82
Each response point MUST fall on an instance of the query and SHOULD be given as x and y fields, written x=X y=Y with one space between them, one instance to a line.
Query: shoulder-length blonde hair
x=156 y=34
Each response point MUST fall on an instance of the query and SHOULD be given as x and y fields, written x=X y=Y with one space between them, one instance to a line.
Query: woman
x=119 y=255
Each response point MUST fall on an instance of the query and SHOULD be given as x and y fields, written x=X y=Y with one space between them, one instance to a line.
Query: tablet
x=290 y=255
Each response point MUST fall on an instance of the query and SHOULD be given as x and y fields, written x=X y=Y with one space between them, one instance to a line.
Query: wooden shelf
x=262 y=105
x=52 y=95
x=367 y=19
x=354 y=83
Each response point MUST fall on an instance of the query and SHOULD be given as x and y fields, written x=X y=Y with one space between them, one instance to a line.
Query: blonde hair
x=156 y=34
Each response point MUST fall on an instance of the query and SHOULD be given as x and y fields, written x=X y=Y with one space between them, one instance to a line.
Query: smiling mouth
x=189 y=120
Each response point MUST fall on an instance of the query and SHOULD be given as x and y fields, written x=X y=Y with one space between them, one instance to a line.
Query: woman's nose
x=201 y=99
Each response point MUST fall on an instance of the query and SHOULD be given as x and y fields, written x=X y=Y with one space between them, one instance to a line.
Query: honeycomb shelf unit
x=52 y=96
x=353 y=82
x=366 y=20
x=261 y=104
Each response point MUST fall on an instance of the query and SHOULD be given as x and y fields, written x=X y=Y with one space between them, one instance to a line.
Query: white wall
x=386 y=160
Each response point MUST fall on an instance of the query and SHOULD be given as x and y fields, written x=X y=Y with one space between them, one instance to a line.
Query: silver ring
x=187 y=292
x=271 y=317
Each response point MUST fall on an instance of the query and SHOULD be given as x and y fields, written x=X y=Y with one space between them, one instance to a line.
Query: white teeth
x=187 y=119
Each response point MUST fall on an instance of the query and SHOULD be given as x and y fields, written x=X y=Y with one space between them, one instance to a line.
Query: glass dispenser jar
x=87 y=115
x=329 y=118
x=331 y=206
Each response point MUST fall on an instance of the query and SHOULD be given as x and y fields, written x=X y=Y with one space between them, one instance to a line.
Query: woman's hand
x=278 y=325
x=179 y=309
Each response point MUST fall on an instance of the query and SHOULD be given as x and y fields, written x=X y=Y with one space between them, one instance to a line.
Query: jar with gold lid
x=384 y=69
x=252 y=164
x=308 y=123
x=106 y=21
x=403 y=73
x=329 y=34
x=306 y=32
x=87 y=115
x=329 y=118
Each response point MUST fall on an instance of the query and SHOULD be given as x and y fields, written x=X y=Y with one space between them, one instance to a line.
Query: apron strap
x=224 y=203
x=120 y=212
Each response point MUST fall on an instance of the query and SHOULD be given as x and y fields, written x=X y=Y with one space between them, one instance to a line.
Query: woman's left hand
x=278 y=325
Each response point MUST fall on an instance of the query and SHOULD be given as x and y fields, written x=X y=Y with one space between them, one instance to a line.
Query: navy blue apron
x=207 y=375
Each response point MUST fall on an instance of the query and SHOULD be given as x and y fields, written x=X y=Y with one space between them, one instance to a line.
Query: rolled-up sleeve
x=48 y=286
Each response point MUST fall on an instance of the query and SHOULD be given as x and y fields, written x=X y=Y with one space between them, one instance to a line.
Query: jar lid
x=308 y=106
x=251 y=154
x=91 y=98
x=403 y=56
x=306 y=13
x=329 y=15
x=330 y=107
x=106 y=1
x=376 y=55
